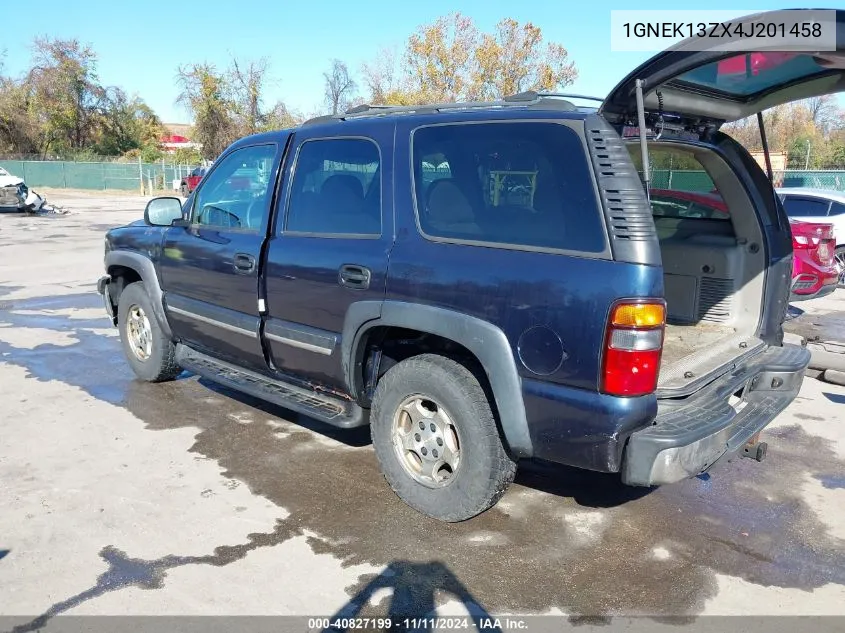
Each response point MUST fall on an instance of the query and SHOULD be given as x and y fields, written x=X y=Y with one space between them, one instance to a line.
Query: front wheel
x=150 y=353
x=436 y=439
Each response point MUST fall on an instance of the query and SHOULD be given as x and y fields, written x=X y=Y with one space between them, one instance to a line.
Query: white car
x=13 y=191
x=806 y=204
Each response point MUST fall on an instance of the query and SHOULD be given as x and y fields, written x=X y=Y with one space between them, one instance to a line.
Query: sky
x=140 y=45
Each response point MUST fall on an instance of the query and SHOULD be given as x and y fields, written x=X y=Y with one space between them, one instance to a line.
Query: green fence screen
x=128 y=176
x=72 y=175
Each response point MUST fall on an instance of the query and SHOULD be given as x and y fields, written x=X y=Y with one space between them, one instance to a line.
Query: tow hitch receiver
x=755 y=450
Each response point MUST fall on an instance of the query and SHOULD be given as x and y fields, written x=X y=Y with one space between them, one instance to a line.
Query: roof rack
x=528 y=99
x=533 y=95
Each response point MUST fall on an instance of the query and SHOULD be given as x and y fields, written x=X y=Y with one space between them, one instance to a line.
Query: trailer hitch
x=755 y=450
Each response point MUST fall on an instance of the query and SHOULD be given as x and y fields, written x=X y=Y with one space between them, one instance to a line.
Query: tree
x=59 y=107
x=438 y=59
x=126 y=124
x=514 y=60
x=247 y=87
x=20 y=133
x=280 y=118
x=451 y=60
x=228 y=104
x=187 y=156
x=382 y=79
x=65 y=92
x=340 y=87
x=204 y=94
x=823 y=111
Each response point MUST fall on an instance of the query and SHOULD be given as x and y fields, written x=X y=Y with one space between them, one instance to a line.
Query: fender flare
x=146 y=270
x=486 y=341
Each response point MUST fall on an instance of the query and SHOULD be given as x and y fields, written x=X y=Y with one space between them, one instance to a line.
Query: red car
x=814 y=271
x=190 y=182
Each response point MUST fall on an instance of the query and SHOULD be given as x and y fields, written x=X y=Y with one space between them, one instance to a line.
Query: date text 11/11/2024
x=484 y=623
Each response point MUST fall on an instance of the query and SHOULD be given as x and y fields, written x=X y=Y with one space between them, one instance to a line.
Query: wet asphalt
x=561 y=538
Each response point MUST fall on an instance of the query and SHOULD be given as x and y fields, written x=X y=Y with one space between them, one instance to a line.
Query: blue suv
x=485 y=282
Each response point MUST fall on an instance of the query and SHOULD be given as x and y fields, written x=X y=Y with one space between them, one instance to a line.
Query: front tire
x=436 y=439
x=150 y=353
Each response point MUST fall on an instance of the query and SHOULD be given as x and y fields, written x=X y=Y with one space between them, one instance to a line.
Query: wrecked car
x=13 y=192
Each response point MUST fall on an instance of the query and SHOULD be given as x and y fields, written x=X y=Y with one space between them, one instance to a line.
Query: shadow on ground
x=414 y=590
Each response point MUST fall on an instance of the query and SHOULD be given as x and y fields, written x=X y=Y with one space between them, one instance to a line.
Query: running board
x=321 y=406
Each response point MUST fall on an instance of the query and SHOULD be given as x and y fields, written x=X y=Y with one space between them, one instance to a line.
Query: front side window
x=236 y=194
x=336 y=188
x=804 y=207
x=514 y=184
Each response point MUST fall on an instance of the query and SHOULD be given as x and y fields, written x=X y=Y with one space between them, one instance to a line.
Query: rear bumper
x=690 y=435
x=810 y=279
x=821 y=288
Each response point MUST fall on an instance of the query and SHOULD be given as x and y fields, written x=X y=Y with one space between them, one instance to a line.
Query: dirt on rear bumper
x=691 y=434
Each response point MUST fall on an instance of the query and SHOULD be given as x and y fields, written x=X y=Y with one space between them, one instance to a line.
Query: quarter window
x=336 y=188
x=514 y=184
x=836 y=208
x=235 y=193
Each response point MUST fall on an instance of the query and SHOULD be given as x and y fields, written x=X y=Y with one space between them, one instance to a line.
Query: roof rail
x=366 y=110
x=533 y=95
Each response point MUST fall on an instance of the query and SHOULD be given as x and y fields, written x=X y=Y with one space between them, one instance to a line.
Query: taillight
x=800 y=242
x=632 y=349
x=825 y=253
x=816 y=238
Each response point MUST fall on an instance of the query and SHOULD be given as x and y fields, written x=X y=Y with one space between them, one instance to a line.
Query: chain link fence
x=163 y=176
x=698 y=180
x=138 y=176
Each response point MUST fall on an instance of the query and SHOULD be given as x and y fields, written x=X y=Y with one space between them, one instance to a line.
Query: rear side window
x=837 y=209
x=804 y=207
x=336 y=188
x=524 y=185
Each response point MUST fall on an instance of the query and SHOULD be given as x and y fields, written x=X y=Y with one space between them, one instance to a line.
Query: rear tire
x=423 y=409
x=183 y=190
x=839 y=254
x=149 y=352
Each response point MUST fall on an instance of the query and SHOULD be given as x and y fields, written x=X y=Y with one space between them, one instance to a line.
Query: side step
x=341 y=413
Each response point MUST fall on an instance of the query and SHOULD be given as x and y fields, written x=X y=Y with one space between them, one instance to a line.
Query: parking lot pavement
x=121 y=497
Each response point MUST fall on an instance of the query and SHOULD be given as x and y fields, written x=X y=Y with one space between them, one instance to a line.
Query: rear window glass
x=680 y=187
x=750 y=73
x=518 y=184
x=804 y=207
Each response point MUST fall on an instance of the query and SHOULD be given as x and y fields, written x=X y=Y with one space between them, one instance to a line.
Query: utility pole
x=807 y=159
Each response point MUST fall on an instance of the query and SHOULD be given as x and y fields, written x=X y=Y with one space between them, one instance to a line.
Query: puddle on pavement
x=561 y=537
x=832 y=481
x=822 y=326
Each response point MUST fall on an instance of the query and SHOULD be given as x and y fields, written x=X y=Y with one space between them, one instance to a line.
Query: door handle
x=244 y=263
x=354 y=276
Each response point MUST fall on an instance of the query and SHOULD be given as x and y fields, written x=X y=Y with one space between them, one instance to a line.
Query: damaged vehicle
x=15 y=196
x=13 y=192
x=519 y=300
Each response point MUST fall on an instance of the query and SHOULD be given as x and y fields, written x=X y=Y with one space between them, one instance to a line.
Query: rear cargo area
x=713 y=264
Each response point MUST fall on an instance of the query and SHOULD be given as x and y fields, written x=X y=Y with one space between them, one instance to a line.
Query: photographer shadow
x=413 y=601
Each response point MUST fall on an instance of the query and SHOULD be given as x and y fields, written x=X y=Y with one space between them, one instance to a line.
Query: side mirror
x=163 y=211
